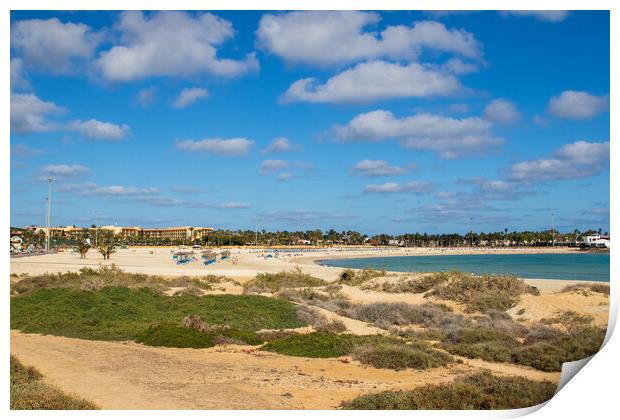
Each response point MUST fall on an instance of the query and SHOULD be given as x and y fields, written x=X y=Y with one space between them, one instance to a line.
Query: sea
x=586 y=266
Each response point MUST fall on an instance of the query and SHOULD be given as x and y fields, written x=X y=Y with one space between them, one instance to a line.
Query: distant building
x=172 y=233
x=596 y=241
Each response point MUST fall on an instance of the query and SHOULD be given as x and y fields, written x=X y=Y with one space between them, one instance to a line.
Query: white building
x=596 y=241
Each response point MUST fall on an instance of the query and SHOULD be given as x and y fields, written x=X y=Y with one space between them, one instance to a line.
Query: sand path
x=130 y=376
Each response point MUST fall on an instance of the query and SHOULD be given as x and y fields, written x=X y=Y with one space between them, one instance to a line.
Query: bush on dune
x=352 y=277
x=104 y=276
x=419 y=284
x=171 y=335
x=374 y=350
x=480 y=391
x=273 y=282
x=483 y=293
x=29 y=392
x=388 y=314
x=543 y=347
x=401 y=356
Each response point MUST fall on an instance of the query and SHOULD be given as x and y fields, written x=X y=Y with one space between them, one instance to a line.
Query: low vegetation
x=273 y=282
x=418 y=284
x=103 y=276
x=328 y=297
x=375 y=350
x=480 y=391
x=30 y=392
x=352 y=277
x=483 y=293
x=398 y=356
x=120 y=313
x=320 y=322
x=173 y=335
x=542 y=347
x=389 y=314
x=586 y=289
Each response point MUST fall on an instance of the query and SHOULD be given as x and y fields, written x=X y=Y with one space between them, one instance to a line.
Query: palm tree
x=83 y=248
x=106 y=248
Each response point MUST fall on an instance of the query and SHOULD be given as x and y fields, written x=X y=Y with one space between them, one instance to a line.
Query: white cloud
x=99 y=130
x=370 y=167
x=224 y=147
x=271 y=165
x=64 y=171
x=544 y=15
x=18 y=80
x=576 y=160
x=53 y=46
x=502 y=111
x=578 y=105
x=415 y=187
x=233 y=205
x=147 y=96
x=328 y=38
x=450 y=137
x=285 y=176
x=170 y=44
x=303 y=216
x=22 y=150
x=458 y=66
x=189 y=96
x=279 y=145
x=29 y=113
x=373 y=81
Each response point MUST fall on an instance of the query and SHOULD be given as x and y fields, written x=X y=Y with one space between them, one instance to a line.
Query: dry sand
x=130 y=375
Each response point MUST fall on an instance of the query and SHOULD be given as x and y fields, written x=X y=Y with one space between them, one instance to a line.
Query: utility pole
x=471 y=233
x=96 y=228
x=552 y=229
x=48 y=222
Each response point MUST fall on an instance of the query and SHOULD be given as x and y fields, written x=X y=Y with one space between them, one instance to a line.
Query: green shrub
x=119 y=313
x=317 y=344
x=273 y=282
x=401 y=356
x=171 y=335
x=29 y=392
x=323 y=344
x=480 y=391
x=543 y=348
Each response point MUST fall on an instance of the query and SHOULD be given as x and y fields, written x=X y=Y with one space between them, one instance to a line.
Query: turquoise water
x=593 y=267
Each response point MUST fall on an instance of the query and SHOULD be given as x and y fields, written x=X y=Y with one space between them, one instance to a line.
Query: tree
x=106 y=248
x=83 y=248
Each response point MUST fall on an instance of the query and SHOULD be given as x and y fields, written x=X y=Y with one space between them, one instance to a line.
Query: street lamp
x=48 y=220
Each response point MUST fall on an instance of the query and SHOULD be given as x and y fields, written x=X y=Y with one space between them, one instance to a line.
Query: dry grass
x=29 y=392
x=89 y=279
x=274 y=282
x=483 y=293
x=357 y=277
x=587 y=289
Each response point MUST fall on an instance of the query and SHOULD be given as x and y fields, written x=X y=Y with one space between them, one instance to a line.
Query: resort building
x=170 y=233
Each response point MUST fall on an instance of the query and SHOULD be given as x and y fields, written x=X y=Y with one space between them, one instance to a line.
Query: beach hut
x=208 y=257
x=224 y=255
x=183 y=257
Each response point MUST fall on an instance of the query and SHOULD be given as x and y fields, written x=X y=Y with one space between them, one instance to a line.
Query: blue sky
x=378 y=122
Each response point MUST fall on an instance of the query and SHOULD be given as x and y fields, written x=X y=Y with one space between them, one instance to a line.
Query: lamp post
x=48 y=220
